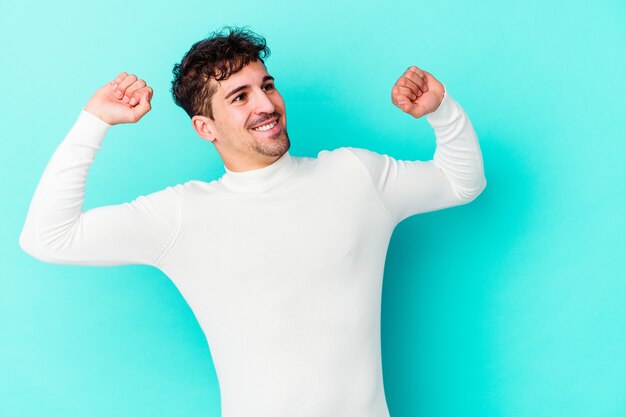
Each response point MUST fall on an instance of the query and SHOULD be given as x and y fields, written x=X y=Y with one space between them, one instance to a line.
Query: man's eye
x=269 y=87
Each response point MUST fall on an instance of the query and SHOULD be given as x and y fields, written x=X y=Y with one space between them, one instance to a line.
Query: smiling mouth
x=266 y=127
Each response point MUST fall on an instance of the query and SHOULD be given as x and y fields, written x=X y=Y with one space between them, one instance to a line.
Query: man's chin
x=274 y=146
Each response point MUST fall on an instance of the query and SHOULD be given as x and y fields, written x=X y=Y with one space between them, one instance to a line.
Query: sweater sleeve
x=57 y=230
x=453 y=177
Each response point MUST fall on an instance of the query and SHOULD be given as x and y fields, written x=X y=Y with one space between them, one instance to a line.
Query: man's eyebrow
x=243 y=87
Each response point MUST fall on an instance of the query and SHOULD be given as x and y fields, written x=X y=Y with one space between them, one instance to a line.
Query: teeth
x=265 y=127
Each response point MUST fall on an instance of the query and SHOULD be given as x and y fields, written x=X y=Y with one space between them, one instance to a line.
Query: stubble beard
x=278 y=146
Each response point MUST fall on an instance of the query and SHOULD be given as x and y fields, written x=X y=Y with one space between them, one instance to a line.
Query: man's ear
x=204 y=127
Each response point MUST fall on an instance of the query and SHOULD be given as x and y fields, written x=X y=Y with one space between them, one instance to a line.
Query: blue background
x=513 y=305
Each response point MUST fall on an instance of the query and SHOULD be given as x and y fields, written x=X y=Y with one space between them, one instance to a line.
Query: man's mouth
x=266 y=127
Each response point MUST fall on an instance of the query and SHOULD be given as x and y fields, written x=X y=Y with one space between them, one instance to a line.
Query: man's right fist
x=126 y=99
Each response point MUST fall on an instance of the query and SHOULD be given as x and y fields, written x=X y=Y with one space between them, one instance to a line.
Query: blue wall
x=510 y=306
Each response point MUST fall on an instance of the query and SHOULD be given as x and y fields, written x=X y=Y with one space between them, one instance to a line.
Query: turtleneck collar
x=262 y=179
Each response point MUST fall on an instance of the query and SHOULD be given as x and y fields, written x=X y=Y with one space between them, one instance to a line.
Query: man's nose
x=262 y=103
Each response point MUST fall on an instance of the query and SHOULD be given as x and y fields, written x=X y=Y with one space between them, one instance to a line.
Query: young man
x=282 y=258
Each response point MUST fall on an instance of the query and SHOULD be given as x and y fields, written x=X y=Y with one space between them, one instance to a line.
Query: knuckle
x=130 y=90
x=129 y=80
x=133 y=89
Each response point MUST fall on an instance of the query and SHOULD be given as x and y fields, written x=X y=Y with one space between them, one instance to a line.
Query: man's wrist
x=444 y=113
x=96 y=114
x=93 y=120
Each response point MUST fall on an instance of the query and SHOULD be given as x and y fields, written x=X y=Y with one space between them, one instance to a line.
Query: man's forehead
x=254 y=72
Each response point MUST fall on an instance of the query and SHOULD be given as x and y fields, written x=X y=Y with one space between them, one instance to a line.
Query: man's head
x=223 y=85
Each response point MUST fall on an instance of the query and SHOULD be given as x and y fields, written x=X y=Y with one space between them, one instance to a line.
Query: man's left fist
x=417 y=92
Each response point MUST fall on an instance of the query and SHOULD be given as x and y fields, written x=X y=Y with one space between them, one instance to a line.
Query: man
x=282 y=258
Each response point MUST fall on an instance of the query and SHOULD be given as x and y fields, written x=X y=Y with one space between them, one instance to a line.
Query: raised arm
x=57 y=230
x=454 y=176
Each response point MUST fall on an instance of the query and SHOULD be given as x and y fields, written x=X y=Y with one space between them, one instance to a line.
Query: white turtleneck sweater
x=282 y=266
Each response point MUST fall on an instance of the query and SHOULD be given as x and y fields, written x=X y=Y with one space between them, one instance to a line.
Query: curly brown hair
x=225 y=52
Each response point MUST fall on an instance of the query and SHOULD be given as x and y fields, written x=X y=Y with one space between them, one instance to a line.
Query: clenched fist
x=417 y=92
x=126 y=99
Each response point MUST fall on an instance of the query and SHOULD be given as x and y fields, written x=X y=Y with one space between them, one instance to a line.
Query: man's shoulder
x=360 y=156
x=199 y=186
x=190 y=187
x=345 y=152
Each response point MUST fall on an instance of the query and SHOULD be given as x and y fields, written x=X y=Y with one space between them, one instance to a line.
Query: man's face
x=249 y=127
